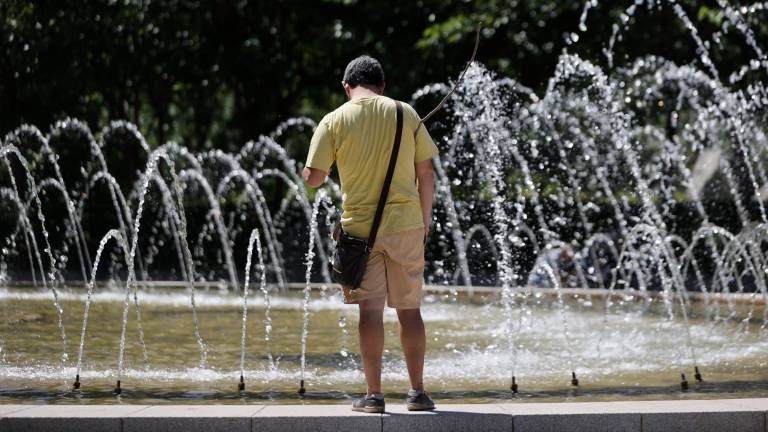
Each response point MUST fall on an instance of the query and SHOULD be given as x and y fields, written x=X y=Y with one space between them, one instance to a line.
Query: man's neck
x=361 y=92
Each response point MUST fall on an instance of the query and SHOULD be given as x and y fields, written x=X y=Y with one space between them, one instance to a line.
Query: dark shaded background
x=214 y=74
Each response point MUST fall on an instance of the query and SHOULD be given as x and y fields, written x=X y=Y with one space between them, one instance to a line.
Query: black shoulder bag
x=351 y=255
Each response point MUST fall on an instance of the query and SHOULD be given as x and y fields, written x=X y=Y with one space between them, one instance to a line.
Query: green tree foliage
x=216 y=73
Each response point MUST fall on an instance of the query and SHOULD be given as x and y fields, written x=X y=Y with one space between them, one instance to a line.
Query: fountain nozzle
x=302 y=390
x=76 y=385
x=118 y=390
x=513 y=387
x=241 y=385
x=574 y=380
x=698 y=374
x=684 y=382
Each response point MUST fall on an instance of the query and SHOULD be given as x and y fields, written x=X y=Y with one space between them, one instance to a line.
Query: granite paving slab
x=316 y=418
x=66 y=418
x=453 y=417
x=746 y=415
x=192 y=418
x=598 y=416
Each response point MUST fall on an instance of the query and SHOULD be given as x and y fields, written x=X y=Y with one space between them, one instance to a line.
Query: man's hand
x=425 y=177
x=314 y=177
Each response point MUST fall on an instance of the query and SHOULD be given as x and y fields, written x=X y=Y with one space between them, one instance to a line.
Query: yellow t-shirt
x=359 y=136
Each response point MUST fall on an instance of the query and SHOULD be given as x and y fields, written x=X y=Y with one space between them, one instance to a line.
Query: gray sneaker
x=419 y=401
x=369 y=404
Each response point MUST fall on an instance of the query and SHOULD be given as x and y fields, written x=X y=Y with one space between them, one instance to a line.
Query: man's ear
x=381 y=88
x=347 y=88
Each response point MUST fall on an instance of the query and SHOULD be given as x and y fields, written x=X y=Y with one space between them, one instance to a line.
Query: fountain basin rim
x=632 y=415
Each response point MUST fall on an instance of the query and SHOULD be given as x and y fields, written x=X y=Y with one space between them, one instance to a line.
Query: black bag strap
x=388 y=178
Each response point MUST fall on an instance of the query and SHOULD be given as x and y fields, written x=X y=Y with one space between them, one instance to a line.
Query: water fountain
x=573 y=232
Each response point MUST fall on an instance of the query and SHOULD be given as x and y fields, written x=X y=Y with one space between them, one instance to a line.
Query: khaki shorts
x=395 y=270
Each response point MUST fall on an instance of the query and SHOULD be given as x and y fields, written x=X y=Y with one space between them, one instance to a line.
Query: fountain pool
x=465 y=361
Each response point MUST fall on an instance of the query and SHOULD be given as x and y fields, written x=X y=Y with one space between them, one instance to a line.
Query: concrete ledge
x=595 y=417
x=66 y=418
x=702 y=416
x=448 y=417
x=319 y=418
x=209 y=418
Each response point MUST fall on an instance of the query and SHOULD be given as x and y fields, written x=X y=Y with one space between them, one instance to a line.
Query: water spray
x=113 y=233
x=321 y=196
x=456 y=85
x=253 y=240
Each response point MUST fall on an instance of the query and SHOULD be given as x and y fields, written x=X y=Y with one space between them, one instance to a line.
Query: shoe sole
x=420 y=408
x=367 y=410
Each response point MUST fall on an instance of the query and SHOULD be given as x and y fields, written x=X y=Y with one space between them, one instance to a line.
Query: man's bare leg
x=371 y=331
x=414 y=342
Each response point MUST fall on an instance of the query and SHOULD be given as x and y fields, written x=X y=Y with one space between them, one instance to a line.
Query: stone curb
x=681 y=415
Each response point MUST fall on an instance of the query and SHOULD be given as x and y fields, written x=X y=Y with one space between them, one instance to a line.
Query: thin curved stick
x=461 y=77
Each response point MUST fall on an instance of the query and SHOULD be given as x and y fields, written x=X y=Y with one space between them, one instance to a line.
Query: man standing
x=358 y=136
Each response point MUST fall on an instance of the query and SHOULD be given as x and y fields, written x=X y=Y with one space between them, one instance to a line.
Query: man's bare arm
x=425 y=178
x=314 y=177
